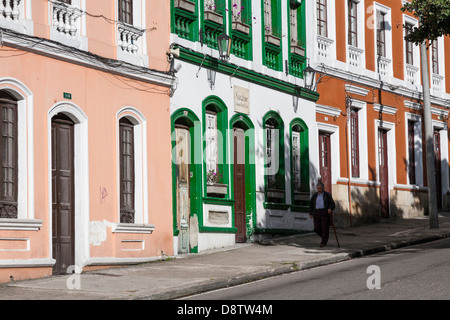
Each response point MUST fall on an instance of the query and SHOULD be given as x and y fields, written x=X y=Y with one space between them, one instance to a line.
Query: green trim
x=191 y=120
x=304 y=158
x=183 y=23
x=221 y=109
x=210 y=29
x=242 y=44
x=297 y=63
x=247 y=74
x=218 y=201
x=250 y=169
x=217 y=230
x=280 y=174
x=272 y=56
x=295 y=208
x=276 y=206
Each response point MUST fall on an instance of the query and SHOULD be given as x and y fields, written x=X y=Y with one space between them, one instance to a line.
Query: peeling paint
x=98 y=231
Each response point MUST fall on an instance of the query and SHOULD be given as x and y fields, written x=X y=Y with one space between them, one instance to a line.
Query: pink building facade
x=86 y=163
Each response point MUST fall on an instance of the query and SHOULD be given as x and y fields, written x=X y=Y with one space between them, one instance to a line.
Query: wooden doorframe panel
x=60 y=122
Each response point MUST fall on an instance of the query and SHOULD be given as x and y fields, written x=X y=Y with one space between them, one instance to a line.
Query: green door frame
x=189 y=119
x=245 y=123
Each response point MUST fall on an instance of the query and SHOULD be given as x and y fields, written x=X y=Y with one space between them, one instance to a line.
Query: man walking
x=321 y=209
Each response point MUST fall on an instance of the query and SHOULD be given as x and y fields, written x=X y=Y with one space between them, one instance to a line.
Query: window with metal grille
x=381 y=34
x=322 y=28
x=127 y=177
x=66 y=1
x=411 y=156
x=8 y=147
x=354 y=142
x=126 y=11
x=352 y=23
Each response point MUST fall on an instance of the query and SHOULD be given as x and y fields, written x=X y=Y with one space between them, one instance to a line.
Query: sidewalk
x=189 y=274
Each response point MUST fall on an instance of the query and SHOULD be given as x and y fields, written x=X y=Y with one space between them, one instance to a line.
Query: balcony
x=324 y=46
x=12 y=17
x=65 y=19
x=412 y=73
x=129 y=39
x=355 y=56
x=437 y=82
x=384 y=66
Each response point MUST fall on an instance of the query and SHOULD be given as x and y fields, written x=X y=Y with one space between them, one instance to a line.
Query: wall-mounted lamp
x=309 y=75
x=224 y=45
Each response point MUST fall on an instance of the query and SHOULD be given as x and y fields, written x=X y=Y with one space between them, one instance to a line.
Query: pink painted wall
x=100 y=95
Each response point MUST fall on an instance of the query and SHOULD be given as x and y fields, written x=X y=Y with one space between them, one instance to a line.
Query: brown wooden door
x=437 y=167
x=383 y=172
x=63 y=218
x=239 y=184
x=182 y=176
x=325 y=160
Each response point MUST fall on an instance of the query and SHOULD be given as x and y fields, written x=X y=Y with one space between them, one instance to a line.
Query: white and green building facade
x=243 y=128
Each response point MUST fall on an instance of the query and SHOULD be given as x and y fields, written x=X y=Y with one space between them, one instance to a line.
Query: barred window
x=8 y=146
x=127 y=177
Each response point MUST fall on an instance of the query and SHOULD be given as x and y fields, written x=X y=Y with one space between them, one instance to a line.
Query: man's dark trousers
x=322 y=224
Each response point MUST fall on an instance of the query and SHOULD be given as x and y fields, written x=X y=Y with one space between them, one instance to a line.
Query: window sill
x=133 y=228
x=20 y=224
x=277 y=206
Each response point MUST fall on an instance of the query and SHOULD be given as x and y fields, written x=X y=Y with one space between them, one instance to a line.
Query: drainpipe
x=348 y=104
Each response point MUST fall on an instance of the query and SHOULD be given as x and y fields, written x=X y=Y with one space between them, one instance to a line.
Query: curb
x=339 y=257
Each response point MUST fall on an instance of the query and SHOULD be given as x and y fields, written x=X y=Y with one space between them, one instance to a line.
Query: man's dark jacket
x=328 y=202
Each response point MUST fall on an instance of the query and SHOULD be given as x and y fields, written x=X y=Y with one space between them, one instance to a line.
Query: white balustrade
x=65 y=18
x=324 y=46
x=384 y=65
x=355 y=56
x=9 y=9
x=128 y=38
x=411 y=74
x=436 y=82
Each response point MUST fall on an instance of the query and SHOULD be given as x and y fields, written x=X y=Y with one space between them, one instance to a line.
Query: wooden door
x=325 y=160
x=383 y=172
x=437 y=167
x=182 y=178
x=63 y=217
x=239 y=184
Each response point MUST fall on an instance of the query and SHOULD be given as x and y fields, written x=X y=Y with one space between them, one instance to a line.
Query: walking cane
x=334 y=228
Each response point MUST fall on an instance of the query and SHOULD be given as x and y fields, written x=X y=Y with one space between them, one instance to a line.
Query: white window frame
x=360 y=49
x=388 y=37
x=361 y=108
x=443 y=132
x=416 y=55
x=25 y=159
x=330 y=39
x=140 y=57
x=417 y=150
x=441 y=61
x=140 y=165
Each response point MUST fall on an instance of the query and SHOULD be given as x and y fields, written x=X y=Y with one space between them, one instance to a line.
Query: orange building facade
x=370 y=112
x=84 y=94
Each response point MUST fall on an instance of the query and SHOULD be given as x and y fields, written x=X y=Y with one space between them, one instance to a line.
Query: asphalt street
x=412 y=273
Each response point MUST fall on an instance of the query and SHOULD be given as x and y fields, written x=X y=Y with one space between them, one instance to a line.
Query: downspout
x=347 y=105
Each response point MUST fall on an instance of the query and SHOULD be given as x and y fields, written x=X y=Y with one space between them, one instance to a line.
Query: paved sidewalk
x=189 y=274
